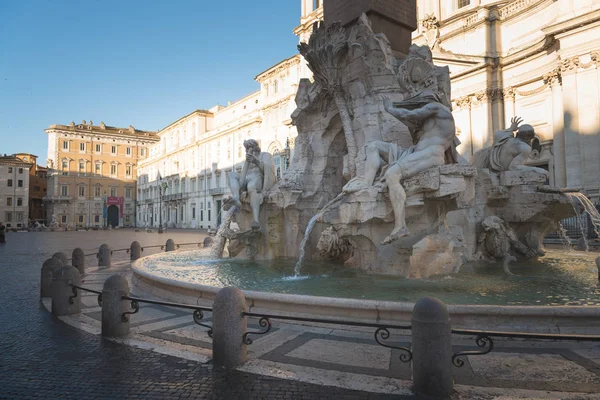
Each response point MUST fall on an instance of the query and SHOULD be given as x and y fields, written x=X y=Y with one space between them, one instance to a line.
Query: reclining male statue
x=257 y=177
x=510 y=152
x=433 y=131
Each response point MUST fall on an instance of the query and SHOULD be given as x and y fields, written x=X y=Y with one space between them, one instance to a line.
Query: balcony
x=172 y=197
x=57 y=199
x=217 y=191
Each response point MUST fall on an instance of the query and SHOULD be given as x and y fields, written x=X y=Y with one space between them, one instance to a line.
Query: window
x=128 y=151
x=9 y=183
x=20 y=183
x=20 y=216
x=128 y=171
x=97 y=191
x=201 y=215
x=82 y=147
x=208 y=206
x=81 y=191
x=9 y=201
x=128 y=192
x=63 y=219
x=193 y=212
x=20 y=170
x=275 y=86
x=267 y=89
x=113 y=192
x=65 y=167
x=65 y=145
x=98 y=168
x=463 y=3
x=98 y=148
x=143 y=152
x=19 y=201
x=82 y=167
x=80 y=219
x=113 y=169
x=8 y=216
x=64 y=190
x=209 y=214
x=96 y=219
x=113 y=150
x=10 y=170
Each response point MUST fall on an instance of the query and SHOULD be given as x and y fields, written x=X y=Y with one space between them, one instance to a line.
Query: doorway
x=113 y=216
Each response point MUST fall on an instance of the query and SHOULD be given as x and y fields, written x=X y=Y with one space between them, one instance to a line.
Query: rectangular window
x=143 y=152
x=9 y=201
x=127 y=218
x=8 y=216
x=10 y=170
x=98 y=169
x=97 y=191
x=113 y=192
x=9 y=183
x=20 y=170
x=128 y=193
x=63 y=219
x=82 y=167
x=201 y=215
x=64 y=190
x=80 y=219
x=113 y=150
x=113 y=169
x=98 y=148
x=82 y=147
x=463 y=3
x=208 y=215
x=65 y=167
x=65 y=145
x=81 y=191
x=128 y=170
x=128 y=151
x=19 y=201
x=193 y=212
x=20 y=216
x=20 y=183
x=96 y=218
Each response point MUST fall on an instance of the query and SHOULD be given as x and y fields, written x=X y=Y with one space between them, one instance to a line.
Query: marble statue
x=332 y=246
x=498 y=241
x=432 y=127
x=256 y=178
x=510 y=152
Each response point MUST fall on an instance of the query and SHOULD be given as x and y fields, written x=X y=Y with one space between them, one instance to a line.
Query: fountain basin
x=180 y=286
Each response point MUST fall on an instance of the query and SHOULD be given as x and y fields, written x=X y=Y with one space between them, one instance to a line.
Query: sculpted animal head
x=330 y=244
x=493 y=224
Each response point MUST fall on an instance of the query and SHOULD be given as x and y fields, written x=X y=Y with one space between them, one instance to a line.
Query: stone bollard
x=170 y=245
x=208 y=241
x=63 y=300
x=432 y=349
x=62 y=257
x=598 y=266
x=78 y=260
x=48 y=268
x=113 y=307
x=104 y=256
x=135 y=251
x=582 y=244
x=229 y=326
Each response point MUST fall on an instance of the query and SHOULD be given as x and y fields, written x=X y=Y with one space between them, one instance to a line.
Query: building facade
x=536 y=59
x=92 y=174
x=14 y=191
x=37 y=187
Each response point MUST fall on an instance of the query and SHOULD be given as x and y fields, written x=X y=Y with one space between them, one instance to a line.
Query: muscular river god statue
x=432 y=128
x=256 y=178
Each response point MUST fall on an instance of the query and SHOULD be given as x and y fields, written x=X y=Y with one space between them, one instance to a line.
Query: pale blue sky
x=144 y=63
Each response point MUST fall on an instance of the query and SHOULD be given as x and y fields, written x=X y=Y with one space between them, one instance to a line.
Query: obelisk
x=397 y=19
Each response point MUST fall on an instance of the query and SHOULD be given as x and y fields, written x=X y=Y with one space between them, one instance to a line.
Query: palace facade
x=536 y=59
x=92 y=174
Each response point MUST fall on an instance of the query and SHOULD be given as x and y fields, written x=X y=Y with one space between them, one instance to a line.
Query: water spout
x=309 y=228
x=591 y=211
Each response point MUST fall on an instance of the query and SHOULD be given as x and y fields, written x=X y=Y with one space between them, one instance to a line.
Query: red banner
x=118 y=201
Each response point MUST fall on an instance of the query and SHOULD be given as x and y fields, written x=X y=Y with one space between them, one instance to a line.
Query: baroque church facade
x=536 y=59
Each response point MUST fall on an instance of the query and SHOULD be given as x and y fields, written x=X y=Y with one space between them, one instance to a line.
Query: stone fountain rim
x=343 y=306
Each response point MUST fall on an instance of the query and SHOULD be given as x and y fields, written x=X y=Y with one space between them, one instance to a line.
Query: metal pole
x=160 y=230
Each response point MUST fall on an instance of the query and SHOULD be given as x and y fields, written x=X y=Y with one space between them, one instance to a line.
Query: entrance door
x=219 y=212
x=113 y=216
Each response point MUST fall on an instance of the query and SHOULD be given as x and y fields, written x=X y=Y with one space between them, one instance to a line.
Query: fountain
x=405 y=216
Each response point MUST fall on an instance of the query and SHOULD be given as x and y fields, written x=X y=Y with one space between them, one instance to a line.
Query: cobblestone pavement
x=44 y=358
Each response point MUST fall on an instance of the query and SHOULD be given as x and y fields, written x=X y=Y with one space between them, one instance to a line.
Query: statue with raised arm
x=256 y=178
x=510 y=152
x=432 y=128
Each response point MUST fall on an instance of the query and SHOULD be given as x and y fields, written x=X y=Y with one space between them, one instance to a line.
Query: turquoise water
x=559 y=278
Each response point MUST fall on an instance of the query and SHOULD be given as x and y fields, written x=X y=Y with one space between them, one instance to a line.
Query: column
x=558 y=129
x=573 y=157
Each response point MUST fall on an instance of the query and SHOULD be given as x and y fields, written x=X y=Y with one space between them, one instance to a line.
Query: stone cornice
x=102 y=130
x=278 y=68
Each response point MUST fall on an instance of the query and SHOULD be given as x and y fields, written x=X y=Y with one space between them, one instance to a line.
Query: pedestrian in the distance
x=2 y=233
